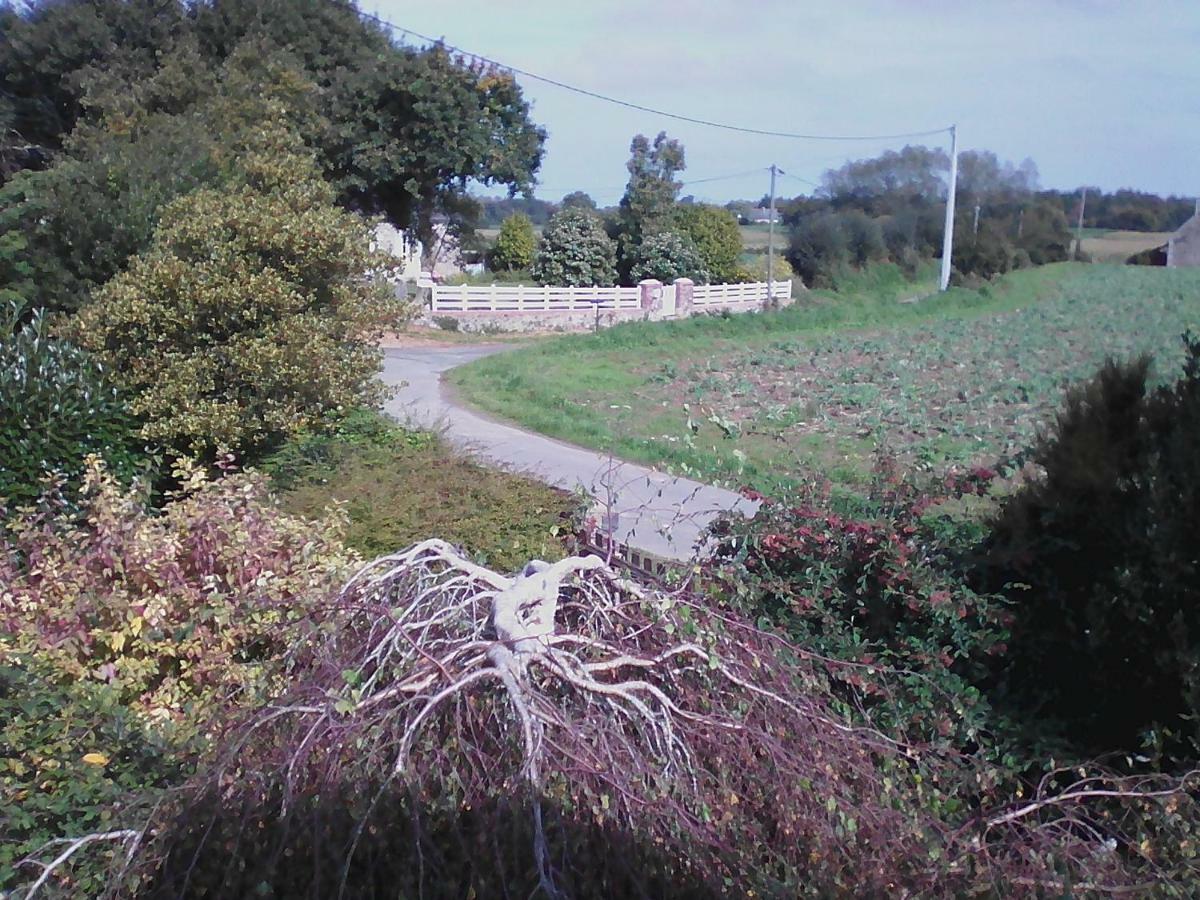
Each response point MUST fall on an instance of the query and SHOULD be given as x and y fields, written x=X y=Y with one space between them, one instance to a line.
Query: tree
x=578 y=199
x=666 y=255
x=650 y=194
x=252 y=314
x=401 y=130
x=714 y=232
x=575 y=250
x=515 y=245
x=412 y=128
x=48 y=51
x=889 y=182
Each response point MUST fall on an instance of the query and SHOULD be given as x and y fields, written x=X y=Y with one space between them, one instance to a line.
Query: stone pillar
x=685 y=288
x=651 y=295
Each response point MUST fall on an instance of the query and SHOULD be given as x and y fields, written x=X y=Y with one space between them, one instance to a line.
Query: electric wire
x=637 y=106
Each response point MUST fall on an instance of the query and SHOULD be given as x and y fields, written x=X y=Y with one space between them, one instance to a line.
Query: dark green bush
x=57 y=405
x=1101 y=558
x=73 y=757
x=819 y=248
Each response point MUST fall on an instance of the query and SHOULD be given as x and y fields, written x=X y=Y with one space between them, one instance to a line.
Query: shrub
x=983 y=255
x=515 y=244
x=714 y=231
x=175 y=612
x=73 y=760
x=575 y=251
x=864 y=238
x=819 y=248
x=1101 y=558
x=252 y=315
x=57 y=405
x=882 y=590
x=756 y=270
x=667 y=256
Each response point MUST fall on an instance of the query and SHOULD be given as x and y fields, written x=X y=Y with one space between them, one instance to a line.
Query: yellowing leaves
x=95 y=759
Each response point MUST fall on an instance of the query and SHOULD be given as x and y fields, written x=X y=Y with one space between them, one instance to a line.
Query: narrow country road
x=645 y=509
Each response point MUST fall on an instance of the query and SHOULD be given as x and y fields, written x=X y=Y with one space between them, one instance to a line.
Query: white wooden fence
x=518 y=298
x=750 y=292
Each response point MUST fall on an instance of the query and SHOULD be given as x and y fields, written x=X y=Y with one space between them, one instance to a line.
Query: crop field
x=962 y=379
x=1118 y=246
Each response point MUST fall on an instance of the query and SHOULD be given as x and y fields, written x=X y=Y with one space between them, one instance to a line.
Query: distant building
x=1183 y=249
x=761 y=215
x=406 y=250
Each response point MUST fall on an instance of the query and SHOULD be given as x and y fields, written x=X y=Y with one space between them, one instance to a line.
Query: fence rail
x=518 y=298
x=750 y=292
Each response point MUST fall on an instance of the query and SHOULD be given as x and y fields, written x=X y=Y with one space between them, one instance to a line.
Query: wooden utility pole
x=975 y=225
x=771 y=241
x=948 y=234
x=1079 y=226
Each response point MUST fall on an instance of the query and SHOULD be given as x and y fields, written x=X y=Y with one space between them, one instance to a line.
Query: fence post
x=685 y=290
x=651 y=295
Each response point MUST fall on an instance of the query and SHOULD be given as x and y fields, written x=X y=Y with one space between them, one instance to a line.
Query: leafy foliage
x=882 y=590
x=57 y=405
x=1100 y=558
x=818 y=248
x=648 y=204
x=177 y=613
x=187 y=127
x=122 y=631
x=51 y=50
x=515 y=244
x=666 y=256
x=251 y=315
x=74 y=759
x=575 y=250
x=714 y=232
x=395 y=129
x=579 y=199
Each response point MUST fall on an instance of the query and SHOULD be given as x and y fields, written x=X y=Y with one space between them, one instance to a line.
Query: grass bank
x=817 y=388
x=398 y=487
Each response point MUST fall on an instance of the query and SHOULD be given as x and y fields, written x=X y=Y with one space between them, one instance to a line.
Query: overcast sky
x=1099 y=92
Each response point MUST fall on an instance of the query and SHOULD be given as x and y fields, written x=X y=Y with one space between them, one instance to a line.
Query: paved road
x=645 y=509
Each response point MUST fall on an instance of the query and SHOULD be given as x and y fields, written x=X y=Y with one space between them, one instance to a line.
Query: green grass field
x=961 y=378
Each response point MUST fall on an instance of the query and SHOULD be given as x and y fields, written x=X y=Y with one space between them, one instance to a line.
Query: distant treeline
x=892 y=207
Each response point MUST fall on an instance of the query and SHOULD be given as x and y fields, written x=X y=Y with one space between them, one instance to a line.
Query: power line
x=637 y=106
x=798 y=178
x=757 y=171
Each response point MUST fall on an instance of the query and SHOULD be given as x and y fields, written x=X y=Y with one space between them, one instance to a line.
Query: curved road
x=645 y=509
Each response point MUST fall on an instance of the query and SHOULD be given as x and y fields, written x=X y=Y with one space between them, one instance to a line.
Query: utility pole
x=948 y=235
x=771 y=241
x=975 y=225
x=1079 y=226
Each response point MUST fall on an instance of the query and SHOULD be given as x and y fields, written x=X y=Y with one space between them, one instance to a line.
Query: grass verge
x=398 y=487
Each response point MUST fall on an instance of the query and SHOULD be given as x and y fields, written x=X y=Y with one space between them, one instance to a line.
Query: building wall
x=1183 y=249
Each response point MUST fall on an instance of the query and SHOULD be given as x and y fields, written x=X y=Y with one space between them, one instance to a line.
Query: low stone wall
x=528 y=322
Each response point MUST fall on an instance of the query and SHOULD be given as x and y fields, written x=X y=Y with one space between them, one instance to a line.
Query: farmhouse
x=1183 y=249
